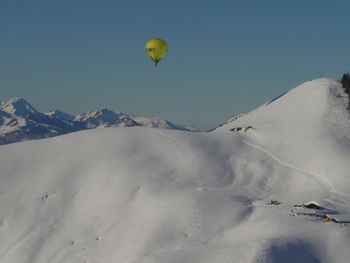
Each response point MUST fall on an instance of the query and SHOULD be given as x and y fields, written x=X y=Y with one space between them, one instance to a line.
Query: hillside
x=141 y=195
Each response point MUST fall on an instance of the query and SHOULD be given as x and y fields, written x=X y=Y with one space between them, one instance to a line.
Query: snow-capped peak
x=101 y=118
x=104 y=114
x=18 y=106
x=306 y=103
x=157 y=122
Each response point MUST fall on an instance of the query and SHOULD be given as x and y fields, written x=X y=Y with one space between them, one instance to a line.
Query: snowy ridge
x=19 y=121
x=59 y=114
x=142 y=195
x=303 y=119
x=104 y=118
x=157 y=122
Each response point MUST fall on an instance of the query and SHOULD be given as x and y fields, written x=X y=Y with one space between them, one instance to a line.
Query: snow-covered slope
x=19 y=121
x=303 y=127
x=143 y=195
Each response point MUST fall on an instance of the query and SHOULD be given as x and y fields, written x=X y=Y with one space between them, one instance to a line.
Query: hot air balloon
x=156 y=49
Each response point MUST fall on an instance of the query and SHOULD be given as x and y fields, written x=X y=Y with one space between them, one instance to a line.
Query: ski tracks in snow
x=275 y=158
x=291 y=166
x=192 y=166
x=198 y=224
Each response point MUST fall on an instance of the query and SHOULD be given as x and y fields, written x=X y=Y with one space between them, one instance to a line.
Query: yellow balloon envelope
x=156 y=49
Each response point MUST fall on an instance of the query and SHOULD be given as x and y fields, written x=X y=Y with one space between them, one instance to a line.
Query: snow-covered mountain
x=252 y=191
x=19 y=121
x=157 y=122
x=104 y=118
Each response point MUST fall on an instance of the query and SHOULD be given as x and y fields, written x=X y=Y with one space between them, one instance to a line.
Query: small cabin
x=301 y=211
x=236 y=129
x=245 y=129
x=274 y=202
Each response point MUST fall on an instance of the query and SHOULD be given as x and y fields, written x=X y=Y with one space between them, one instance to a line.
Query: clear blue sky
x=225 y=57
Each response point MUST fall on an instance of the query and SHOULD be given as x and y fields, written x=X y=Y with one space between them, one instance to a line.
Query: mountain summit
x=18 y=106
x=104 y=118
x=306 y=123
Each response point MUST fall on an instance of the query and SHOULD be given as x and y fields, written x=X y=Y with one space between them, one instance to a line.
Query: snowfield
x=143 y=195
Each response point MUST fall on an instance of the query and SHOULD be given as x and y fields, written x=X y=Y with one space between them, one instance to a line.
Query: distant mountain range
x=20 y=121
